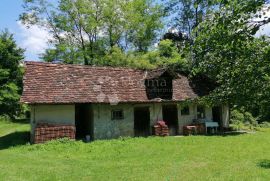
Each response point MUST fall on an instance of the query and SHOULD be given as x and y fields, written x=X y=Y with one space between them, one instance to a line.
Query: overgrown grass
x=238 y=157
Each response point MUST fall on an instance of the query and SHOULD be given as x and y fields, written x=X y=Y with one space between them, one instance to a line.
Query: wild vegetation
x=10 y=75
x=153 y=158
x=84 y=31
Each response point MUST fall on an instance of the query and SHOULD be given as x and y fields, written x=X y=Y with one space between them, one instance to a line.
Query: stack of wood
x=47 y=132
x=200 y=128
x=161 y=129
x=190 y=130
x=194 y=129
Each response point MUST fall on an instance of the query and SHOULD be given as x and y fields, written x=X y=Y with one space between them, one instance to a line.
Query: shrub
x=237 y=116
x=250 y=119
x=264 y=125
x=237 y=120
x=237 y=126
x=4 y=118
x=242 y=120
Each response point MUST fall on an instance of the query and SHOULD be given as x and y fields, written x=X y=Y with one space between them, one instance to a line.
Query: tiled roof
x=47 y=83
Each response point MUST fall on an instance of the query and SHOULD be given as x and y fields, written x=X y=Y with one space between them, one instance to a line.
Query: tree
x=227 y=51
x=10 y=75
x=144 y=20
x=188 y=14
x=165 y=55
x=115 y=57
x=84 y=30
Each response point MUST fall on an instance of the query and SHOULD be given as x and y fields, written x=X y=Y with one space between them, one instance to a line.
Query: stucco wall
x=184 y=120
x=105 y=128
x=155 y=112
x=208 y=113
x=56 y=114
x=225 y=115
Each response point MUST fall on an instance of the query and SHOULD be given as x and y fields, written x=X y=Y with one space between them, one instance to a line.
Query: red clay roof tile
x=47 y=83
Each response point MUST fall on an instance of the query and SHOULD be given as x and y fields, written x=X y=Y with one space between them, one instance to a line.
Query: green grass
x=238 y=157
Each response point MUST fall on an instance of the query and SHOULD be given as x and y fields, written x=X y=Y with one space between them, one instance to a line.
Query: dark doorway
x=83 y=121
x=141 y=121
x=217 y=114
x=170 y=116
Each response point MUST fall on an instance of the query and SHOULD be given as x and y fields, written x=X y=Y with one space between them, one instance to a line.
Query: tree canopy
x=83 y=30
x=227 y=51
x=10 y=75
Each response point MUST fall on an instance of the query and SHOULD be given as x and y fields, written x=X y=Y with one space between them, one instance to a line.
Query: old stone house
x=106 y=102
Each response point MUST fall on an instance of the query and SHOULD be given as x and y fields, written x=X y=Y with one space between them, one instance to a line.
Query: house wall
x=155 y=112
x=55 y=114
x=225 y=115
x=105 y=128
x=208 y=113
x=184 y=120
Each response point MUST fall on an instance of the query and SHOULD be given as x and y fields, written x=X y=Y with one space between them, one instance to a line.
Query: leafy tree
x=10 y=75
x=165 y=55
x=185 y=17
x=114 y=57
x=188 y=14
x=227 y=51
x=84 y=30
x=143 y=22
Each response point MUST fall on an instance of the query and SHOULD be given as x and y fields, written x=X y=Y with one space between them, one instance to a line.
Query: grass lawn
x=239 y=157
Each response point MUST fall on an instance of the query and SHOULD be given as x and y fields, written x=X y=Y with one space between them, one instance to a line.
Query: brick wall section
x=47 y=132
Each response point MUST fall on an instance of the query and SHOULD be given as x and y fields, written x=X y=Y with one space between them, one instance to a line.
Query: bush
x=248 y=118
x=242 y=120
x=237 y=126
x=237 y=120
x=265 y=125
x=4 y=118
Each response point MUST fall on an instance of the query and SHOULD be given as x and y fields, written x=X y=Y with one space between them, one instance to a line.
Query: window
x=185 y=110
x=117 y=114
x=200 y=112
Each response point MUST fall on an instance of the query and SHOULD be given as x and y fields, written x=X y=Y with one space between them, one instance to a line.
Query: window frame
x=183 y=109
x=114 y=115
x=203 y=112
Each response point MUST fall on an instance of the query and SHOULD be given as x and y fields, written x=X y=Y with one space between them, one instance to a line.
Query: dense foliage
x=242 y=120
x=10 y=75
x=188 y=14
x=165 y=55
x=85 y=30
x=227 y=51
